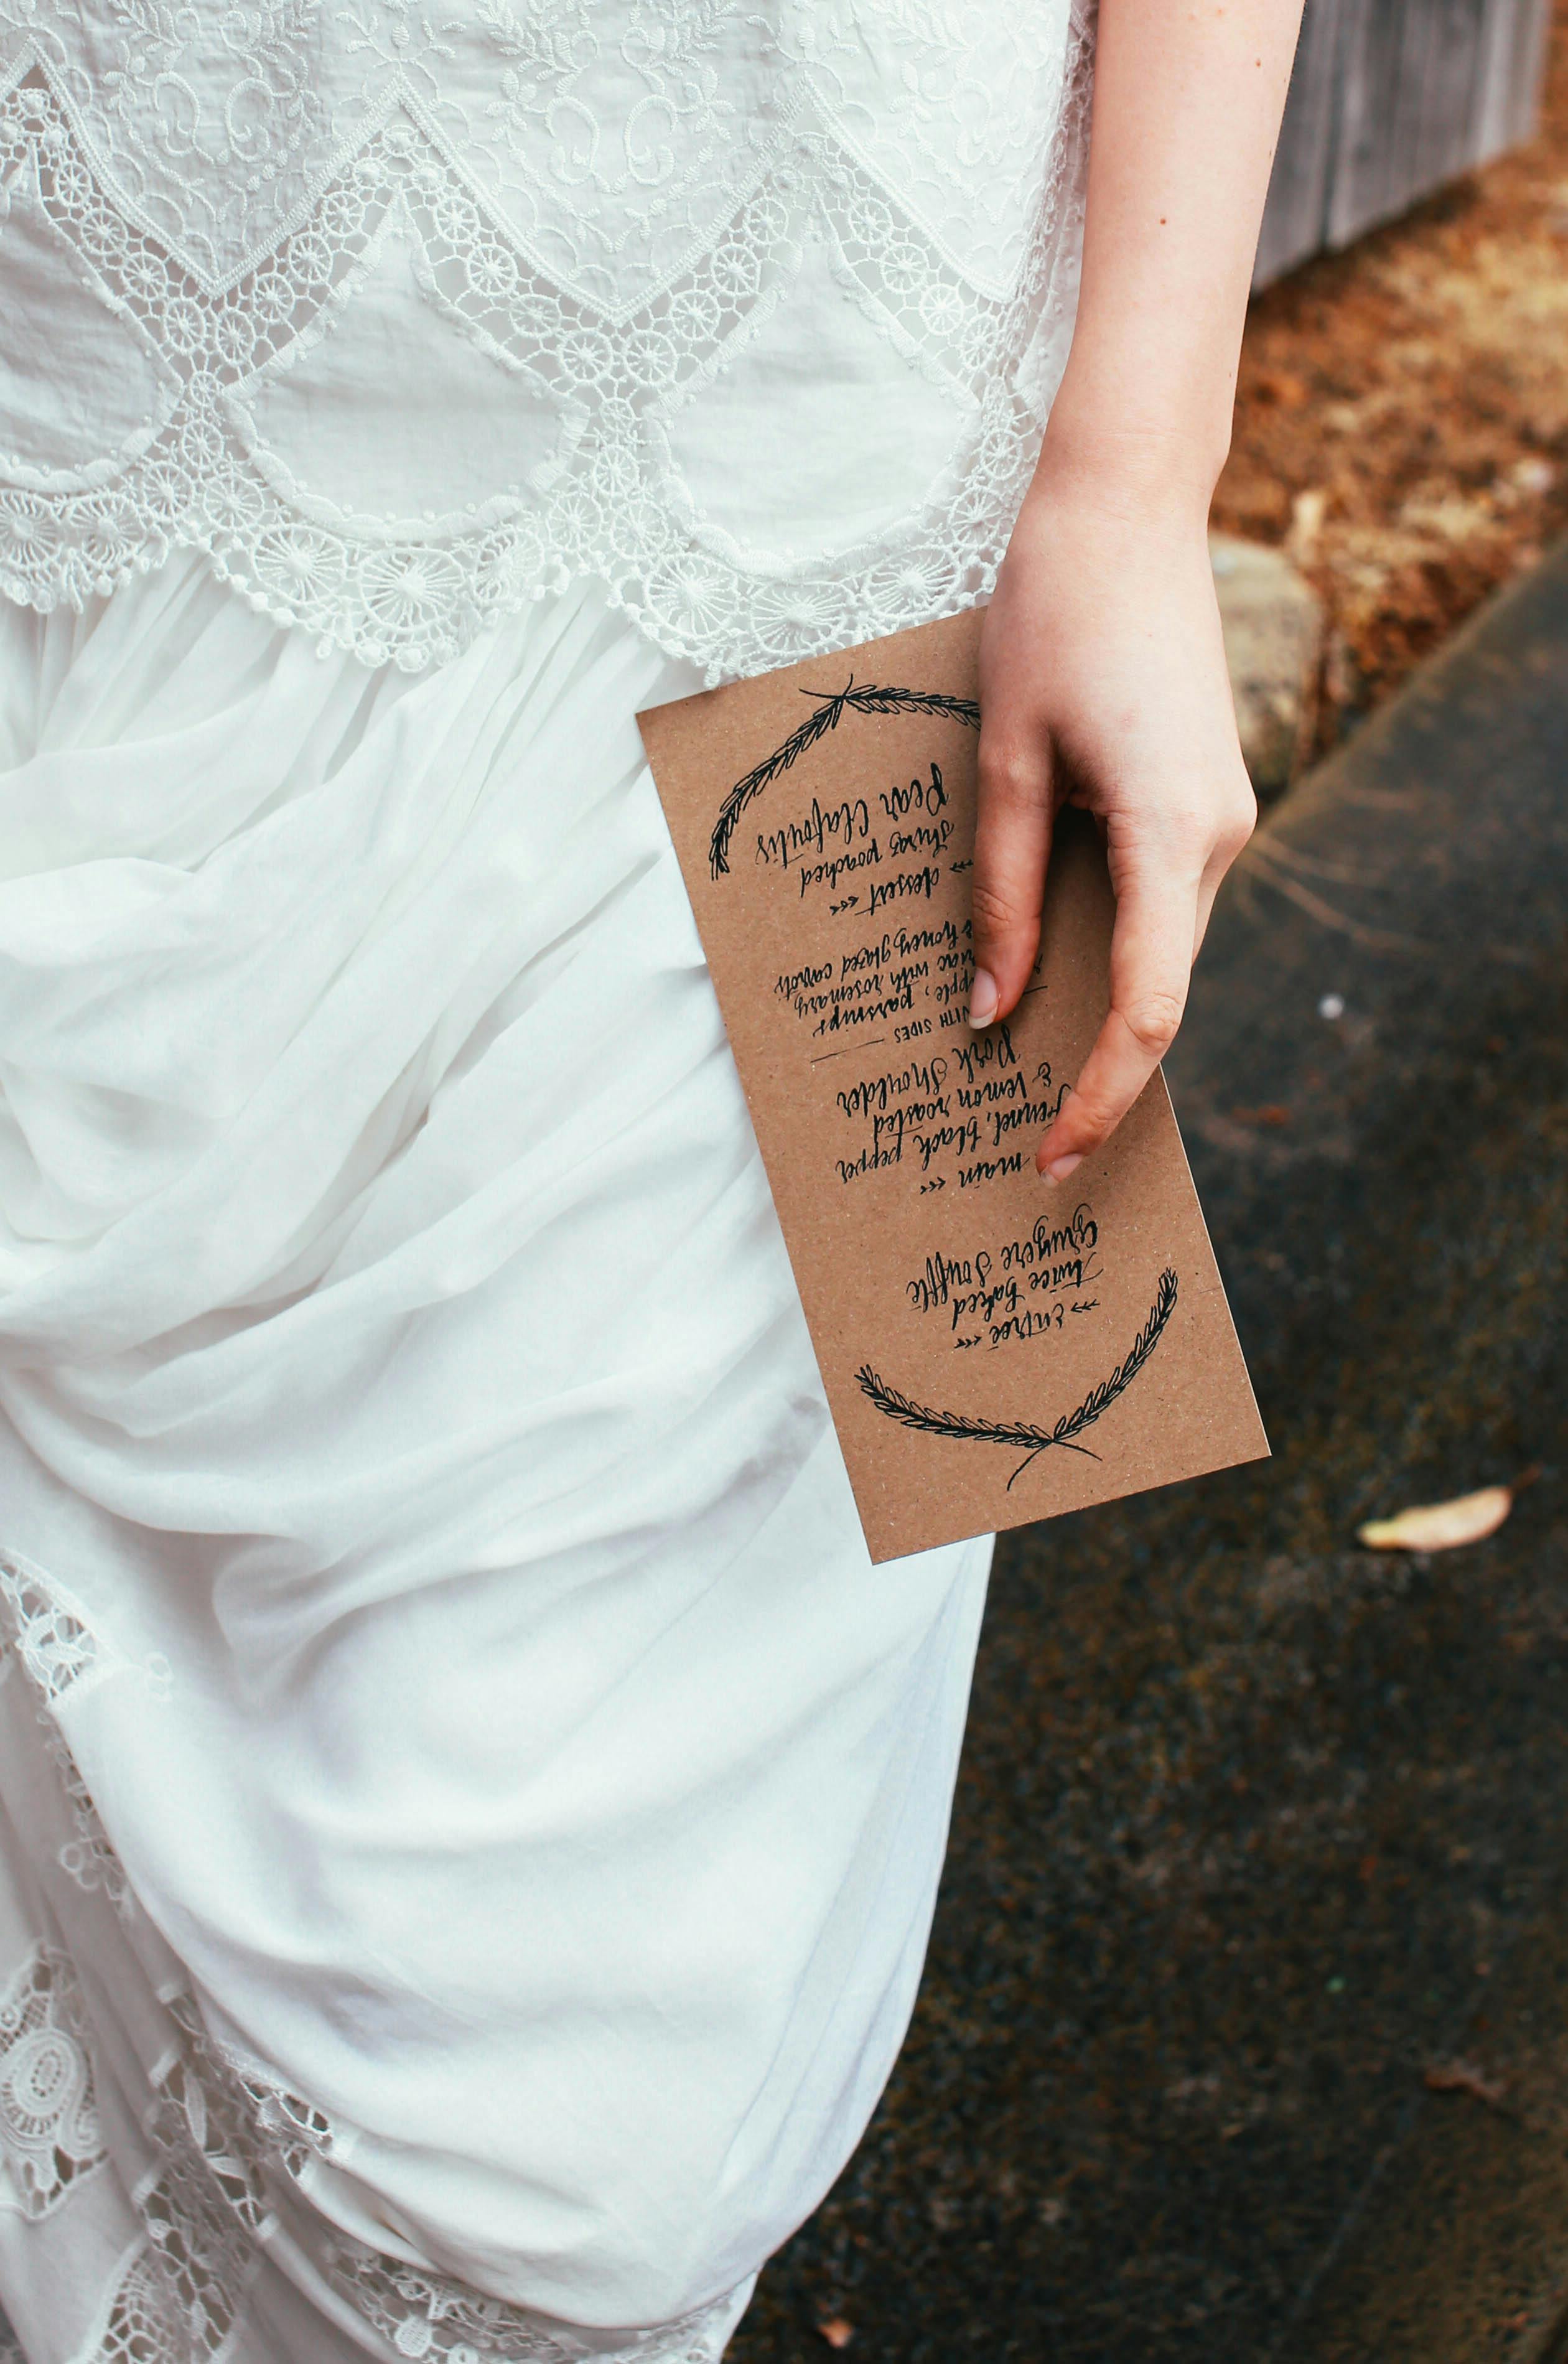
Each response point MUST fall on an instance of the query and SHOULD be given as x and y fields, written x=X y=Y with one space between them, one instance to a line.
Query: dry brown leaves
x=1402 y=417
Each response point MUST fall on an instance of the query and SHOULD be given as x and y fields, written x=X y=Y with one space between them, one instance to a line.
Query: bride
x=470 y=1811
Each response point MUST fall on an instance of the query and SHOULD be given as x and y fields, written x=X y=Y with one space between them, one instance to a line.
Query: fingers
x=1152 y=956
x=1012 y=846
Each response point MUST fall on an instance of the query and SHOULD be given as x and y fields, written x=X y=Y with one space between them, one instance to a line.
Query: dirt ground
x=1402 y=415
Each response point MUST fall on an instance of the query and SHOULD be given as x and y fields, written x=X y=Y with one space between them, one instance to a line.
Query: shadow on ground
x=1254 y=1826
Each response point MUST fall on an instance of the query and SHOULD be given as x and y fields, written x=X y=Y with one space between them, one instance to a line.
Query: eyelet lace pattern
x=57 y=1650
x=48 y=2116
x=231 y=2146
x=49 y=1632
x=431 y=2320
x=594 y=209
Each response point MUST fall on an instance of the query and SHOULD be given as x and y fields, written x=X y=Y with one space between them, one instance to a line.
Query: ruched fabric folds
x=452 y=1724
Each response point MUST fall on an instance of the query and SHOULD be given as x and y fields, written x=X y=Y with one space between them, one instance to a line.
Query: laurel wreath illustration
x=833 y=705
x=1034 y=1441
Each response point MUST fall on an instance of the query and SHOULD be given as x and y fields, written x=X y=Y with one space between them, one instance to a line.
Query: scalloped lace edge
x=396 y=593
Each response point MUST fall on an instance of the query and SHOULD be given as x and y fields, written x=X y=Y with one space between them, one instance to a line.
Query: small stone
x=1307 y=511
x=1273 y=637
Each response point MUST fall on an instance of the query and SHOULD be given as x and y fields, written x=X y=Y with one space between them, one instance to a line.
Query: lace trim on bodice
x=592 y=297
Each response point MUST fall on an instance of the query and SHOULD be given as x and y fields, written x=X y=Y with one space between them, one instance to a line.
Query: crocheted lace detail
x=607 y=202
x=50 y=2137
x=290 y=2131
x=47 y=1632
x=230 y=2140
x=436 y=2322
x=225 y=2136
x=167 y=2306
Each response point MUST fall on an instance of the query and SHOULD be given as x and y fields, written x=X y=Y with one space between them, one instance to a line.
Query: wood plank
x=1445 y=143
x=1419 y=38
x=1506 y=102
x=1388 y=100
x=1298 y=190
x=1362 y=190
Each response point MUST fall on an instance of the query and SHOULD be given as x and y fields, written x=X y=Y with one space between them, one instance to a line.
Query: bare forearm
x=1188 y=95
x=1102 y=666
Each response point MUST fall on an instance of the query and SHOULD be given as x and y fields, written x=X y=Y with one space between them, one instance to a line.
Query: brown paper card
x=994 y=1350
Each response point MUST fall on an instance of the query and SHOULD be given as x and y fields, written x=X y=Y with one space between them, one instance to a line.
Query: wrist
x=1161 y=475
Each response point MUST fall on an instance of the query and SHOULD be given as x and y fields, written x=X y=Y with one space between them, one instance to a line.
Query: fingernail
x=1061 y=1167
x=982 y=999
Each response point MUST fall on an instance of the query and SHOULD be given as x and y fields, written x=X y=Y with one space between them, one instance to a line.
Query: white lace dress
x=469 y=1812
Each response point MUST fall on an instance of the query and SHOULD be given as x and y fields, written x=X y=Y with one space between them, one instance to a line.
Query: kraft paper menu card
x=995 y=1349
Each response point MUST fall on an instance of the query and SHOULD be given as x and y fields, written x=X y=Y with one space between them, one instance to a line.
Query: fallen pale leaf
x=1307 y=514
x=836 y=2332
x=1439 y=1526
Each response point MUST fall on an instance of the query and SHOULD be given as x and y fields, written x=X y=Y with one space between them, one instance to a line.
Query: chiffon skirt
x=470 y=1811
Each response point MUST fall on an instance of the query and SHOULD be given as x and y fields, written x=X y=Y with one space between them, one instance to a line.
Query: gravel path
x=1402 y=417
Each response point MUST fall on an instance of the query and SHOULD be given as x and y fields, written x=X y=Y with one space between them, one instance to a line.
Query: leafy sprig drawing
x=832 y=706
x=1034 y=1441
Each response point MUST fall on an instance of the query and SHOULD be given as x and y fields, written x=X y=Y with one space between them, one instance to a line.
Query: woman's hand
x=1103 y=684
x=1102 y=675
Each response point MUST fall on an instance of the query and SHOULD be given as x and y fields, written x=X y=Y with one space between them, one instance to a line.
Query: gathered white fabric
x=407 y=311
x=470 y=1811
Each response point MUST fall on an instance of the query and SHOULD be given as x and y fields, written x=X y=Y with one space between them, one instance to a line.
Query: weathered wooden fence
x=1389 y=99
